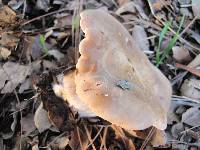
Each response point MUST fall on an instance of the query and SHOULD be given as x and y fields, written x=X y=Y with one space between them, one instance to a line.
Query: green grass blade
x=42 y=42
x=172 y=42
x=161 y=37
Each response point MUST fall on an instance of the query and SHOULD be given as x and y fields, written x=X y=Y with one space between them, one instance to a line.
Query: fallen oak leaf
x=15 y=74
x=190 y=69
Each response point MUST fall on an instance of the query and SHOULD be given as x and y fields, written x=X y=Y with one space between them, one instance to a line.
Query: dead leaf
x=8 y=40
x=190 y=69
x=7 y=16
x=48 y=65
x=56 y=54
x=190 y=88
x=25 y=85
x=191 y=116
x=43 y=5
x=126 y=7
x=157 y=5
x=41 y=119
x=14 y=74
x=122 y=2
x=159 y=138
x=177 y=129
x=4 y=53
x=60 y=143
x=27 y=123
x=63 y=20
x=196 y=7
x=140 y=36
x=195 y=62
x=132 y=7
x=15 y=4
x=181 y=54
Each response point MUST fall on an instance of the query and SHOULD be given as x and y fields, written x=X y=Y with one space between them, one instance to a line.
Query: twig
x=149 y=136
x=42 y=16
x=89 y=138
x=95 y=136
x=79 y=138
x=193 y=20
x=103 y=143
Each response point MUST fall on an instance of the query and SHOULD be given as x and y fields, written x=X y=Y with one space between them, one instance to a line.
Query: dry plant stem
x=18 y=101
x=190 y=129
x=76 y=37
x=42 y=16
x=166 y=6
x=179 y=37
x=103 y=142
x=95 y=136
x=190 y=69
x=79 y=138
x=89 y=138
x=148 y=138
x=193 y=20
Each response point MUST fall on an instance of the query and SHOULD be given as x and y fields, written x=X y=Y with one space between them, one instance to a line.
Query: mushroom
x=114 y=77
x=67 y=91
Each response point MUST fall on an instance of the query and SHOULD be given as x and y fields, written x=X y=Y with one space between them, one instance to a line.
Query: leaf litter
x=29 y=66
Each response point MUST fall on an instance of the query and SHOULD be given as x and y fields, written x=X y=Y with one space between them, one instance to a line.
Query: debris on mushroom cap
x=115 y=78
x=67 y=90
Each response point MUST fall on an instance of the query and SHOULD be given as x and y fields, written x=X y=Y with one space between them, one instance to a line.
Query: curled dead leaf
x=14 y=74
x=41 y=119
x=190 y=88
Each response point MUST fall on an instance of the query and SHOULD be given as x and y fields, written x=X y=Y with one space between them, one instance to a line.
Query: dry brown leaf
x=7 y=16
x=48 y=65
x=195 y=62
x=4 y=53
x=126 y=7
x=159 y=138
x=8 y=40
x=41 y=119
x=177 y=129
x=115 y=78
x=196 y=7
x=190 y=88
x=15 y=74
x=27 y=123
x=190 y=69
x=191 y=116
x=181 y=54
x=132 y=7
x=25 y=85
x=140 y=36
x=43 y=5
x=122 y=2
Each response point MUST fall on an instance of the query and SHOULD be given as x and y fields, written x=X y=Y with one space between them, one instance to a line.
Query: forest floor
x=39 y=42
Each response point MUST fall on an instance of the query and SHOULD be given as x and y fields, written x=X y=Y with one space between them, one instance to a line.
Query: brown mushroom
x=114 y=77
x=67 y=90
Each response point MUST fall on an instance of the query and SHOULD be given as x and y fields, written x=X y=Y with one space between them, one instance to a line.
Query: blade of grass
x=161 y=37
x=42 y=42
x=172 y=42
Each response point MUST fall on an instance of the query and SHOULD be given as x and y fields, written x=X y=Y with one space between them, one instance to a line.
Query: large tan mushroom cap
x=115 y=78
